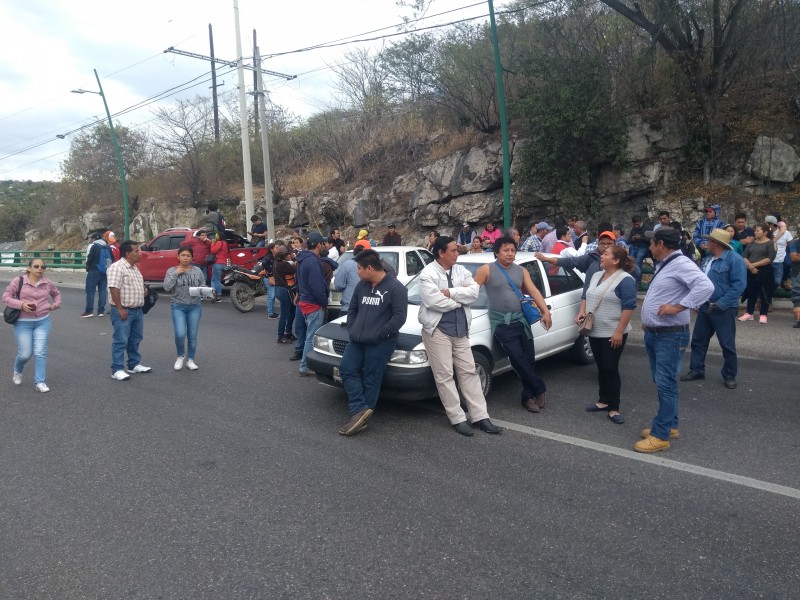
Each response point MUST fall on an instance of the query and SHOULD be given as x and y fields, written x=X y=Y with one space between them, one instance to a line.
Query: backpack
x=106 y=258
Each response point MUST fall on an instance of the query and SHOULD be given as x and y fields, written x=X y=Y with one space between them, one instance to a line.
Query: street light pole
x=126 y=216
x=501 y=101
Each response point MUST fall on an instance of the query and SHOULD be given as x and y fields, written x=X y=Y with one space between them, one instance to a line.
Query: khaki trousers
x=450 y=358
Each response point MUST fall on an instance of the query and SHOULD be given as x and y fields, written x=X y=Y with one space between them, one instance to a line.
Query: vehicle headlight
x=323 y=344
x=409 y=357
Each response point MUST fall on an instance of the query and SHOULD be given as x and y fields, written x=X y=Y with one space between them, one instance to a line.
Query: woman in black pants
x=758 y=257
x=611 y=298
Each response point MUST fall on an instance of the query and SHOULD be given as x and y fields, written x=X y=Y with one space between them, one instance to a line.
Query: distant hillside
x=20 y=204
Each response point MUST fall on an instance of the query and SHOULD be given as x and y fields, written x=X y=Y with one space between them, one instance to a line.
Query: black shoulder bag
x=10 y=315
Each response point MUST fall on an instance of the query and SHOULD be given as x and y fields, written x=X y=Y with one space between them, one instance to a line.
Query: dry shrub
x=314 y=176
x=446 y=144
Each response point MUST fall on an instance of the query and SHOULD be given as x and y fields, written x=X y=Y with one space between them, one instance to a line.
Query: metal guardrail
x=59 y=259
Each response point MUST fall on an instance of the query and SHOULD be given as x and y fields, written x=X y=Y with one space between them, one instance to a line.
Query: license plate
x=337 y=377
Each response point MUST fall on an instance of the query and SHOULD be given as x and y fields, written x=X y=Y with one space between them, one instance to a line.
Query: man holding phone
x=258 y=232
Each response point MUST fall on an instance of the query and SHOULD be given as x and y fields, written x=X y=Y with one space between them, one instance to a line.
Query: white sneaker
x=120 y=375
x=140 y=369
x=42 y=387
x=191 y=366
x=179 y=363
x=17 y=378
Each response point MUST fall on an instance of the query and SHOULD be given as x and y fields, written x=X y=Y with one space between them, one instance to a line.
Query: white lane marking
x=757 y=484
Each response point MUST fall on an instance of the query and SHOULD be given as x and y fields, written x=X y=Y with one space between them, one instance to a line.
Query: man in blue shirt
x=727 y=271
x=704 y=227
x=677 y=287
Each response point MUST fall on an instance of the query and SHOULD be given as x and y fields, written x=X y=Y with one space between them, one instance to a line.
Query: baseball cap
x=608 y=234
x=110 y=237
x=542 y=225
x=465 y=224
x=314 y=238
x=771 y=220
x=668 y=235
x=711 y=209
x=362 y=234
x=391 y=225
x=95 y=236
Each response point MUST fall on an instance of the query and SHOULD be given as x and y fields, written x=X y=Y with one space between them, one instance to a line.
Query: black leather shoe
x=692 y=376
x=296 y=356
x=730 y=384
x=487 y=426
x=463 y=428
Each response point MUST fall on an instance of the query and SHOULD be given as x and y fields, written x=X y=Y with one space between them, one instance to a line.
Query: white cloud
x=51 y=46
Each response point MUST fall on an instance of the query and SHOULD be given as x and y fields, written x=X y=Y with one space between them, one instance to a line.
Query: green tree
x=574 y=124
x=92 y=160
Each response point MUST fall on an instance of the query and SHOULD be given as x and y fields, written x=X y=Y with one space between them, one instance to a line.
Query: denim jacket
x=729 y=276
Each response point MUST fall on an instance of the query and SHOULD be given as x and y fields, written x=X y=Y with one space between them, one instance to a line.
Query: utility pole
x=255 y=78
x=214 y=84
x=501 y=101
x=261 y=101
x=246 y=166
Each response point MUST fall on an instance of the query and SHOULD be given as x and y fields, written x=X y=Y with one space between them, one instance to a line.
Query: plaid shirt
x=532 y=244
x=128 y=280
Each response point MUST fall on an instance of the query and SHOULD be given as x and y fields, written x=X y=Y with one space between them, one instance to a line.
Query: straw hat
x=721 y=237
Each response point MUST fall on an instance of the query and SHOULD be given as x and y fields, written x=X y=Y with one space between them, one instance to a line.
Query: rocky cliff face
x=467 y=186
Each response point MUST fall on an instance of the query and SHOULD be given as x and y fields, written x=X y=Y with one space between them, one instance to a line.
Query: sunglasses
x=42 y=267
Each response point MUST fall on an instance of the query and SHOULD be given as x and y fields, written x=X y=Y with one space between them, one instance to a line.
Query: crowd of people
x=709 y=272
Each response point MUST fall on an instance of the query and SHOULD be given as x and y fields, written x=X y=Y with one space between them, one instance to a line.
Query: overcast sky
x=50 y=47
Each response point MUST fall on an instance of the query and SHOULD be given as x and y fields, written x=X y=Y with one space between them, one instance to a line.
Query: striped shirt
x=679 y=282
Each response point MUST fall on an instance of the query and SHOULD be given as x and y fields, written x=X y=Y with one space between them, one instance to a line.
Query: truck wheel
x=242 y=297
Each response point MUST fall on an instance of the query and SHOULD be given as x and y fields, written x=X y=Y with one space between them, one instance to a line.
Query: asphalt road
x=231 y=481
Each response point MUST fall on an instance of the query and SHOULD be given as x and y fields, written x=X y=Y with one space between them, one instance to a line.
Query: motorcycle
x=246 y=285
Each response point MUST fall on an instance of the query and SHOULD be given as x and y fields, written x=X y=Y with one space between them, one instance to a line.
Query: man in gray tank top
x=509 y=325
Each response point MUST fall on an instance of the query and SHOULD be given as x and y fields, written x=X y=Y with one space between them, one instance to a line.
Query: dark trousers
x=708 y=323
x=608 y=379
x=759 y=288
x=362 y=369
x=206 y=271
x=299 y=329
x=286 y=319
x=521 y=353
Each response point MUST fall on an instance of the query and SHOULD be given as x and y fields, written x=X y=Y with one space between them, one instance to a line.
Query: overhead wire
x=335 y=43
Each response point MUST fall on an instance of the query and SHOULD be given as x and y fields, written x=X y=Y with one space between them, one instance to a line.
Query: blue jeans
x=286 y=319
x=270 y=296
x=216 y=278
x=313 y=322
x=128 y=334
x=665 y=351
x=639 y=254
x=32 y=341
x=299 y=330
x=95 y=280
x=777 y=273
x=362 y=368
x=709 y=322
x=185 y=321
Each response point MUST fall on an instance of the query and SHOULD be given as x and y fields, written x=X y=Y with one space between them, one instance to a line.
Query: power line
x=142 y=104
x=340 y=42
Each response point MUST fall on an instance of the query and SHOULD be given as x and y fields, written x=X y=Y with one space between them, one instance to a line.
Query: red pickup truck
x=161 y=253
